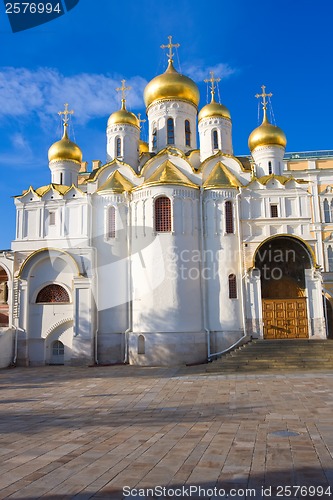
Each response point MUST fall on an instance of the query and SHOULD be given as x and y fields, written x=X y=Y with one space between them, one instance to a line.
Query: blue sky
x=81 y=58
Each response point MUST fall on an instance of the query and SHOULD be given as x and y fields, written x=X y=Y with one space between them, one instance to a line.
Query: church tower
x=172 y=102
x=214 y=126
x=123 y=133
x=65 y=156
x=267 y=143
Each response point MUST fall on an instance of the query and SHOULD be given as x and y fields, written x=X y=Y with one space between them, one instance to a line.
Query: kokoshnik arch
x=171 y=251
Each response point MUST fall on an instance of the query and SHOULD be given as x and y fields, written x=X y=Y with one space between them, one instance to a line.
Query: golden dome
x=143 y=147
x=65 y=149
x=267 y=134
x=171 y=85
x=214 y=109
x=123 y=117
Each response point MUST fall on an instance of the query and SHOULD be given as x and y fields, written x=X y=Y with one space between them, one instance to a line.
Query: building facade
x=172 y=251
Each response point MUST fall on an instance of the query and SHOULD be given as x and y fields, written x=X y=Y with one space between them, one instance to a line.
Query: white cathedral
x=170 y=252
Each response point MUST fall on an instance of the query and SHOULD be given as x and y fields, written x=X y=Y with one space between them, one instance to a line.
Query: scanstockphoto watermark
x=188 y=492
x=193 y=264
x=273 y=261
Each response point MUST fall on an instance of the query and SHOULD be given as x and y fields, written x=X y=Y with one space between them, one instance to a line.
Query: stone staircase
x=276 y=355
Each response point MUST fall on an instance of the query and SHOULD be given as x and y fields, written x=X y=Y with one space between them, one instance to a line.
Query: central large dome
x=171 y=85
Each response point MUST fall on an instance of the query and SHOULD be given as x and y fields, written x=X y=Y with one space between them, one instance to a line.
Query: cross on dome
x=140 y=120
x=212 y=80
x=123 y=90
x=65 y=114
x=170 y=46
x=263 y=95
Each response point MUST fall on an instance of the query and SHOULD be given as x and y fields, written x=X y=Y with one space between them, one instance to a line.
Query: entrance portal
x=282 y=262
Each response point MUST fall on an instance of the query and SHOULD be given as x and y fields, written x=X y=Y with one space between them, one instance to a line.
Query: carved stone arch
x=47 y=253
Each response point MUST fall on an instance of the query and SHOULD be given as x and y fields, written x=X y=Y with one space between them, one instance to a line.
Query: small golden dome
x=214 y=109
x=143 y=147
x=171 y=85
x=267 y=134
x=65 y=149
x=123 y=117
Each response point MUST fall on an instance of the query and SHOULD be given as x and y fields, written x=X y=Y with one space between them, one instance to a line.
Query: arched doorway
x=282 y=262
x=4 y=308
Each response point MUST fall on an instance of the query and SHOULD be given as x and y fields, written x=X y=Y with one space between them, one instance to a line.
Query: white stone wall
x=268 y=160
x=129 y=136
x=223 y=127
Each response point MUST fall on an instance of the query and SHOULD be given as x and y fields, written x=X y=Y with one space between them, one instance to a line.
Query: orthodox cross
x=212 y=80
x=139 y=119
x=65 y=114
x=123 y=89
x=170 y=46
x=263 y=95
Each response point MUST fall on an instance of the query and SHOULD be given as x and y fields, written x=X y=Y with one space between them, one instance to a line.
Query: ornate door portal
x=285 y=319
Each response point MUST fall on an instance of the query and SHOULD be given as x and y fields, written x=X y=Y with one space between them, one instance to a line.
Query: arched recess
x=4 y=308
x=61 y=331
x=283 y=261
x=51 y=254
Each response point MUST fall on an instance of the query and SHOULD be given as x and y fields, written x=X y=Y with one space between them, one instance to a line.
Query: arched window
x=330 y=259
x=111 y=222
x=118 y=146
x=141 y=345
x=52 y=293
x=215 y=140
x=61 y=178
x=187 y=133
x=58 y=348
x=270 y=167
x=232 y=286
x=162 y=214
x=327 y=214
x=170 y=131
x=154 y=136
x=229 y=218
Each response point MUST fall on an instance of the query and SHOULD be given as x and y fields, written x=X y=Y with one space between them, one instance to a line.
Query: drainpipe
x=202 y=284
x=242 y=281
x=129 y=277
x=95 y=274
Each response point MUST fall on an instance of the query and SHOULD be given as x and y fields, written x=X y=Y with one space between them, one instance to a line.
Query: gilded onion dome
x=266 y=134
x=123 y=117
x=143 y=147
x=214 y=109
x=171 y=85
x=65 y=149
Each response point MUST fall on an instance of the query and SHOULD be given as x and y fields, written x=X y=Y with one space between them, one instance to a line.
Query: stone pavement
x=89 y=432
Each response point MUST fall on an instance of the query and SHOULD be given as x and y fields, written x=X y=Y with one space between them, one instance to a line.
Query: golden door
x=285 y=318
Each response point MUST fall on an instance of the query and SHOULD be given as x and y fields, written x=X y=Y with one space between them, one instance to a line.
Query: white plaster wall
x=6 y=347
x=130 y=136
x=68 y=170
x=262 y=155
x=223 y=126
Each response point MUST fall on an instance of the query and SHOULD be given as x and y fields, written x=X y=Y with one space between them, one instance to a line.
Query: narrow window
x=141 y=345
x=330 y=259
x=118 y=147
x=52 y=293
x=274 y=211
x=187 y=133
x=111 y=223
x=232 y=286
x=154 y=136
x=52 y=218
x=269 y=167
x=170 y=131
x=61 y=177
x=163 y=214
x=327 y=213
x=229 y=218
x=58 y=348
x=215 y=140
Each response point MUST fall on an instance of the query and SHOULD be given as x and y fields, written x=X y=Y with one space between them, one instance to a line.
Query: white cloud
x=44 y=92
x=199 y=73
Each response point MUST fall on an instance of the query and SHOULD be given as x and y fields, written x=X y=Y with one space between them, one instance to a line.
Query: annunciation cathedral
x=172 y=251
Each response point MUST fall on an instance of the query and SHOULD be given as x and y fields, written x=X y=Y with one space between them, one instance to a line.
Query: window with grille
x=229 y=218
x=118 y=146
x=170 y=131
x=111 y=223
x=52 y=293
x=232 y=286
x=58 y=348
x=215 y=140
x=163 y=215
x=274 y=211
x=154 y=136
x=187 y=133
x=52 y=218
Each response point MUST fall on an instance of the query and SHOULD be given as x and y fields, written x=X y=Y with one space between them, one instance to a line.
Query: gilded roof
x=168 y=173
x=116 y=183
x=221 y=177
x=41 y=191
x=282 y=179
